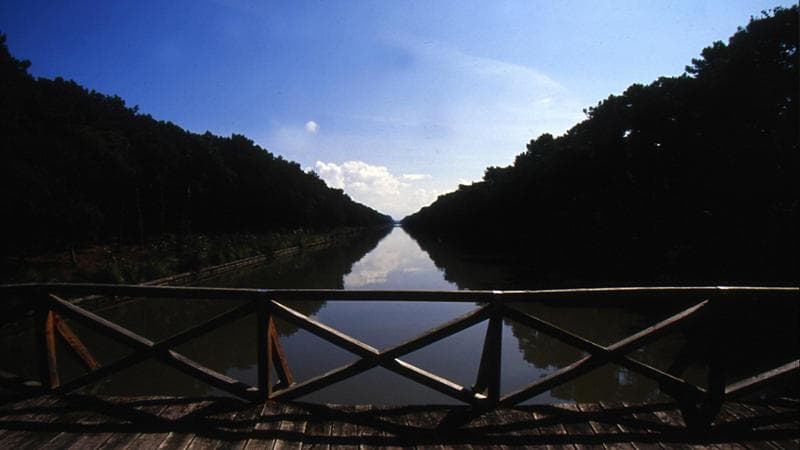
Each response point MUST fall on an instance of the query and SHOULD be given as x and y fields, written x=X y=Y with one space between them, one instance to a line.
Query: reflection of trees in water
x=471 y=270
x=232 y=346
x=757 y=335
x=600 y=325
x=318 y=269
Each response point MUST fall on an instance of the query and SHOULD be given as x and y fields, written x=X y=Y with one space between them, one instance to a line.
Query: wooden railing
x=699 y=405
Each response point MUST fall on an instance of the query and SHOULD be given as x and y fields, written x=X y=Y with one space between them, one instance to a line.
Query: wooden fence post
x=716 y=364
x=264 y=357
x=489 y=372
x=699 y=416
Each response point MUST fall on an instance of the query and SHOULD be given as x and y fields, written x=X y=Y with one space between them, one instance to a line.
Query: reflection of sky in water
x=396 y=263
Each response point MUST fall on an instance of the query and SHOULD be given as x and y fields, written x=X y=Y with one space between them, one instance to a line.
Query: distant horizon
x=393 y=103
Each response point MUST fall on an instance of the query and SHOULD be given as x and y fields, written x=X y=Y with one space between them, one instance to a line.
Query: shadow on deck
x=78 y=421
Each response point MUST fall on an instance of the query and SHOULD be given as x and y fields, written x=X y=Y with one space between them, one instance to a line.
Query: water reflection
x=318 y=269
x=397 y=263
x=758 y=335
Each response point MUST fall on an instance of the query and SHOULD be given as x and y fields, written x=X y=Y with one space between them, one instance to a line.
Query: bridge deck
x=159 y=422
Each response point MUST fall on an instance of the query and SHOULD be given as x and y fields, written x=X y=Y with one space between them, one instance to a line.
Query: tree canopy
x=80 y=166
x=688 y=177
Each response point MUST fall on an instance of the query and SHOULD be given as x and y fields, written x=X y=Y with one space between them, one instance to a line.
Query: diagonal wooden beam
x=671 y=384
x=600 y=358
x=278 y=357
x=323 y=331
x=75 y=344
x=103 y=372
x=553 y=380
x=757 y=382
x=206 y=327
x=50 y=348
x=148 y=347
x=438 y=333
x=667 y=379
x=139 y=356
x=654 y=332
x=100 y=324
x=433 y=381
x=311 y=385
x=371 y=357
x=551 y=330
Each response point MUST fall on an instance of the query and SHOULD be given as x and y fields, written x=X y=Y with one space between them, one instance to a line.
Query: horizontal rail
x=546 y=295
x=700 y=405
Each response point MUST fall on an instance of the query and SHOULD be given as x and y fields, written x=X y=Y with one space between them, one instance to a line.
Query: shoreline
x=310 y=243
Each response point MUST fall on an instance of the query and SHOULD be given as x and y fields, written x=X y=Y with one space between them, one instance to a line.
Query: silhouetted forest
x=79 y=166
x=688 y=178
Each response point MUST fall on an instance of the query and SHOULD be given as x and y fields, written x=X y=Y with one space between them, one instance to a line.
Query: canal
x=390 y=260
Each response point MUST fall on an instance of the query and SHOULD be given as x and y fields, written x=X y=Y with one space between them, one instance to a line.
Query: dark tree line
x=79 y=166
x=689 y=178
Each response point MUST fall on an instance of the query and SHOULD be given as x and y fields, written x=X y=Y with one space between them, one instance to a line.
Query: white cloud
x=436 y=125
x=415 y=176
x=377 y=187
x=312 y=127
x=400 y=262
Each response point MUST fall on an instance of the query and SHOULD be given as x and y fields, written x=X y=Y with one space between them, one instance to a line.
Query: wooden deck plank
x=579 y=428
x=242 y=425
x=266 y=424
x=11 y=411
x=372 y=437
x=168 y=438
x=623 y=424
x=226 y=427
x=761 y=410
x=127 y=439
x=373 y=428
x=670 y=417
x=744 y=413
x=782 y=411
x=30 y=413
x=212 y=439
x=549 y=430
x=342 y=434
x=603 y=428
x=76 y=422
x=318 y=431
x=292 y=427
x=84 y=439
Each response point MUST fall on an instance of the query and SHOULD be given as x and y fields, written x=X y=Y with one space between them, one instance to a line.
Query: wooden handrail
x=546 y=295
x=699 y=405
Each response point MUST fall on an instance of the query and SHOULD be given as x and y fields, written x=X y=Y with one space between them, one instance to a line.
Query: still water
x=376 y=261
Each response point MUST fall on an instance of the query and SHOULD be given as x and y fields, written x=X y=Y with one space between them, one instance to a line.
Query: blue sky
x=395 y=102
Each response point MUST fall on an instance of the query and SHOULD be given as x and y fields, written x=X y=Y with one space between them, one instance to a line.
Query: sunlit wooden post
x=264 y=357
x=277 y=356
x=489 y=372
x=46 y=343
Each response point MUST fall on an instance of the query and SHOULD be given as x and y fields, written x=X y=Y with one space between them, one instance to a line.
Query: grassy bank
x=158 y=258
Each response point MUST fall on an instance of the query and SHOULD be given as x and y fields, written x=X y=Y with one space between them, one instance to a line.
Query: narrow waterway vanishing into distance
x=376 y=261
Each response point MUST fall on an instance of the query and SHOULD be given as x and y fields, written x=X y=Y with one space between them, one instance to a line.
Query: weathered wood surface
x=76 y=421
x=165 y=293
x=699 y=406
